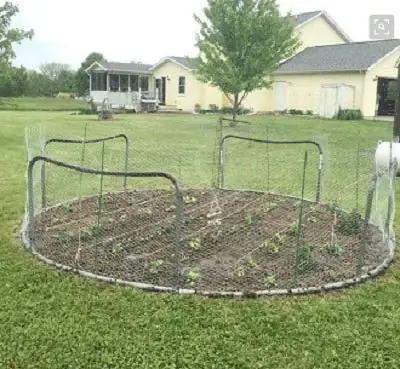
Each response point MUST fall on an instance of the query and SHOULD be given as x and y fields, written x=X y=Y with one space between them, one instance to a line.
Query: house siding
x=303 y=91
x=314 y=33
x=384 y=68
x=318 y=32
x=193 y=88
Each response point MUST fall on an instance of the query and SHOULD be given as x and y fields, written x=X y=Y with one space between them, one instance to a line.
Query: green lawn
x=41 y=104
x=49 y=319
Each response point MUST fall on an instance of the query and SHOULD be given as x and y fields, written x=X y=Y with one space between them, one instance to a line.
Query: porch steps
x=169 y=109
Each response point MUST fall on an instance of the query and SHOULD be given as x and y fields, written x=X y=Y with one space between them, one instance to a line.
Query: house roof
x=184 y=62
x=303 y=18
x=126 y=67
x=123 y=67
x=354 y=56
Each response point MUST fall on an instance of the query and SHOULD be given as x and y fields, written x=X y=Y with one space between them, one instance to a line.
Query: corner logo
x=381 y=27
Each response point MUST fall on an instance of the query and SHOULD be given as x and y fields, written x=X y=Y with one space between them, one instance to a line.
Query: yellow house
x=327 y=71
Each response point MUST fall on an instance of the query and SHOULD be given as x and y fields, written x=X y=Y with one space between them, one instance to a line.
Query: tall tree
x=241 y=42
x=53 y=70
x=8 y=37
x=82 y=79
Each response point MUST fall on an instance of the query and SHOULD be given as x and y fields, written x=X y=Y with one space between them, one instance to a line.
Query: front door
x=161 y=85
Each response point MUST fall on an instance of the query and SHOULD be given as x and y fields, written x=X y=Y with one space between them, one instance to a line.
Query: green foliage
x=241 y=42
x=349 y=223
x=54 y=320
x=81 y=78
x=305 y=256
x=309 y=112
x=9 y=36
x=349 y=114
x=296 y=112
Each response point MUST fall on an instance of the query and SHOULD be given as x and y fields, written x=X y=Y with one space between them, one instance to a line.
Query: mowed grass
x=49 y=319
x=41 y=104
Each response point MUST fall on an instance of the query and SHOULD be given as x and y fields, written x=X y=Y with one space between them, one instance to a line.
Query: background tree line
x=51 y=79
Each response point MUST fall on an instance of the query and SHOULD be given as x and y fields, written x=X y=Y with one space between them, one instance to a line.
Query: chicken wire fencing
x=235 y=215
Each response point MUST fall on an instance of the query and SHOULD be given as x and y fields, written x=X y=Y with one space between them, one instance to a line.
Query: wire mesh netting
x=241 y=212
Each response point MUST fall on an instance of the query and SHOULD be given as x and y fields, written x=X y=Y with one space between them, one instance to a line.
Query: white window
x=181 y=85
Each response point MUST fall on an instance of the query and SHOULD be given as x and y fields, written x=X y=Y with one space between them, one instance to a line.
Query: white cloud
x=148 y=30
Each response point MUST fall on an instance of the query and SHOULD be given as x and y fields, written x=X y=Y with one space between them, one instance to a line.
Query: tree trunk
x=235 y=109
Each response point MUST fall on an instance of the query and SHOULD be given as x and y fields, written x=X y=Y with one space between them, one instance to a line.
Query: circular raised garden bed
x=231 y=243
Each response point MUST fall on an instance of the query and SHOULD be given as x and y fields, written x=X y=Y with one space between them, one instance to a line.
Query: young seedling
x=117 y=247
x=189 y=200
x=334 y=249
x=269 y=206
x=240 y=270
x=279 y=238
x=156 y=266
x=69 y=208
x=195 y=244
x=305 y=256
x=270 y=281
x=192 y=277
x=271 y=247
x=250 y=263
x=296 y=228
x=170 y=209
x=248 y=219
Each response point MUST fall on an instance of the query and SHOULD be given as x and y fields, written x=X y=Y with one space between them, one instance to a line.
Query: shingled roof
x=354 y=56
x=304 y=17
x=126 y=67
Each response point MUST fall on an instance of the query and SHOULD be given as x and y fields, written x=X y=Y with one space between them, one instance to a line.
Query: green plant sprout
x=249 y=262
x=117 y=247
x=240 y=270
x=69 y=208
x=271 y=247
x=268 y=206
x=156 y=266
x=334 y=249
x=189 y=200
x=195 y=244
x=192 y=277
x=270 y=281
x=248 y=219
x=170 y=209
x=296 y=228
x=305 y=256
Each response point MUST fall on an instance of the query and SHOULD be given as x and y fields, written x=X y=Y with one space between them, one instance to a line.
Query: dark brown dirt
x=252 y=245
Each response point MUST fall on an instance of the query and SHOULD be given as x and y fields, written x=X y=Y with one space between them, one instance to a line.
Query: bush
x=228 y=110
x=296 y=112
x=349 y=114
x=309 y=112
x=197 y=108
x=64 y=95
x=214 y=108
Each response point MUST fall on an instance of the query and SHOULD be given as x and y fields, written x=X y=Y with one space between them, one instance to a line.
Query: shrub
x=228 y=110
x=197 y=108
x=214 y=108
x=64 y=95
x=349 y=114
x=296 y=112
x=309 y=112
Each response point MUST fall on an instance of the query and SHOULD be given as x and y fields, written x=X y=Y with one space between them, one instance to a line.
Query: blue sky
x=146 y=31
